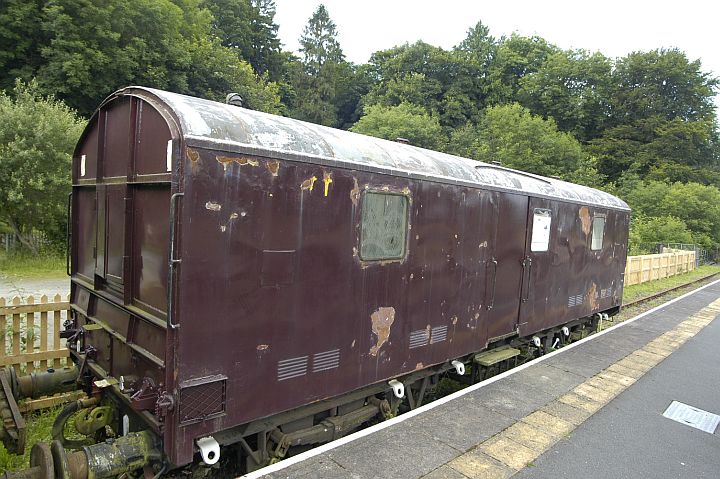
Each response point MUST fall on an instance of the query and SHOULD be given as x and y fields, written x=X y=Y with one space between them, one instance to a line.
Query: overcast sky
x=612 y=27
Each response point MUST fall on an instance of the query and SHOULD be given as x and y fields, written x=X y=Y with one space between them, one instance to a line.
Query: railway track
x=669 y=290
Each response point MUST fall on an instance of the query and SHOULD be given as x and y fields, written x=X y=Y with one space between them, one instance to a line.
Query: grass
x=39 y=429
x=26 y=265
x=642 y=290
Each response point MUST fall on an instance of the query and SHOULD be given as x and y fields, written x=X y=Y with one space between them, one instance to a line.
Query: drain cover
x=692 y=416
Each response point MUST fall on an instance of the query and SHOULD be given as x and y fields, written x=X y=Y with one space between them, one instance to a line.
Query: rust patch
x=327 y=179
x=584 y=215
x=592 y=297
x=273 y=166
x=194 y=155
x=419 y=366
x=382 y=320
x=212 y=206
x=355 y=192
x=227 y=160
x=309 y=184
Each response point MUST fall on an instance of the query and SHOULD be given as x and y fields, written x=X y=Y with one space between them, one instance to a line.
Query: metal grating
x=326 y=360
x=419 y=338
x=438 y=334
x=692 y=416
x=576 y=300
x=202 y=399
x=292 y=368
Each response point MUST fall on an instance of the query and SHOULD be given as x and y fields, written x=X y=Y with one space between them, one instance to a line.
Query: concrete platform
x=590 y=410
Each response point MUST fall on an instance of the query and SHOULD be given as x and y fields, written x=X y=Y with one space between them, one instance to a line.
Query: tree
x=318 y=42
x=327 y=89
x=37 y=137
x=662 y=229
x=402 y=121
x=662 y=83
x=698 y=206
x=85 y=50
x=248 y=27
x=20 y=38
x=515 y=58
x=572 y=87
x=512 y=135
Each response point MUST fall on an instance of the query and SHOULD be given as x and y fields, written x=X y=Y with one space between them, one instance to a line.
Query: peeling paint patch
x=309 y=184
x=212 y=206
x=262 y=347
x=273 y=166
x=592 y=297
x=584 y=215
x=419 y=366
x=227 y=160
x=194 y=155
x=233 y=216
x=382 y=320
x=223 y=228
x=327 y=179
x=355 y=192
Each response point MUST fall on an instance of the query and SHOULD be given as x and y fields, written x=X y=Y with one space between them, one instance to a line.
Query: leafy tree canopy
x=406 y=121
x=37 y=138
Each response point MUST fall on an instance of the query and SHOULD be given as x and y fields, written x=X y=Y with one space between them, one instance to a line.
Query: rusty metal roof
x=230 y=128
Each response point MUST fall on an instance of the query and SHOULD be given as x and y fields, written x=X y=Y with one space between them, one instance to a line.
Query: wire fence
x=702 y=255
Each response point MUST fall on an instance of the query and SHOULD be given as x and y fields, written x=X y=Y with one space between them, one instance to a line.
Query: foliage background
x=642 y=126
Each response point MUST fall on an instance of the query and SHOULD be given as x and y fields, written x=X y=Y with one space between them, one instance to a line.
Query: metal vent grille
x=419 y=338
x=292 y=368
x=438 y=334
x=326 y=360
x=202 y=398
x=576 y=300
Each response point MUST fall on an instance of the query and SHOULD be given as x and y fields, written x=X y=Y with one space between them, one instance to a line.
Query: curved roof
x=228 y=127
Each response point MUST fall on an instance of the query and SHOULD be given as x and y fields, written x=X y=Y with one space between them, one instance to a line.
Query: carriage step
x=489 y=358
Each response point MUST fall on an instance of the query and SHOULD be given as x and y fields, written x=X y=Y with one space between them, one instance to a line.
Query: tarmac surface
x=591 y=410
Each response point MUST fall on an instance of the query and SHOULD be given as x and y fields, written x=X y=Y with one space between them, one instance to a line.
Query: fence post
x=44 y=331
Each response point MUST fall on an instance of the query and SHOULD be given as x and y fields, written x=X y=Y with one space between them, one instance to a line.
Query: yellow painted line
x=510 y=450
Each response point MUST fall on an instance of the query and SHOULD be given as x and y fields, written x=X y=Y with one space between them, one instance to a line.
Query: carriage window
x=541 y=230
x=598 y=231
x=384 y=226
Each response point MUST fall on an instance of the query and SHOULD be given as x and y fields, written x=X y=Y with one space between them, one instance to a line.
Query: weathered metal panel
x=508 y=248
x=229 y=128
x=151 y=218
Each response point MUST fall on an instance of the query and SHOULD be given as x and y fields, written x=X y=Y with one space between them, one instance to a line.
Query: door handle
x=172 y=260
x=491 y=302
x=68 y=234
x=527 y=266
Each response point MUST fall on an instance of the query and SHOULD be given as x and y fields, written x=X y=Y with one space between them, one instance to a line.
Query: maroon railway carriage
x=234 y=271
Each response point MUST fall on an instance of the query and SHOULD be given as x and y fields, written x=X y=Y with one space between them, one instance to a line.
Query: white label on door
x=82 y=165
x=541 y=230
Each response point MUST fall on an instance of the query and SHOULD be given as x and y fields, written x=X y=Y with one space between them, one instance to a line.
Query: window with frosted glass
x=598 y=232
x=383 y=228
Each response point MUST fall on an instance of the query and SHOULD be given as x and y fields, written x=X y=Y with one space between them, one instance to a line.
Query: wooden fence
x=30 y=333
x=30 y=340
x=649 y=267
